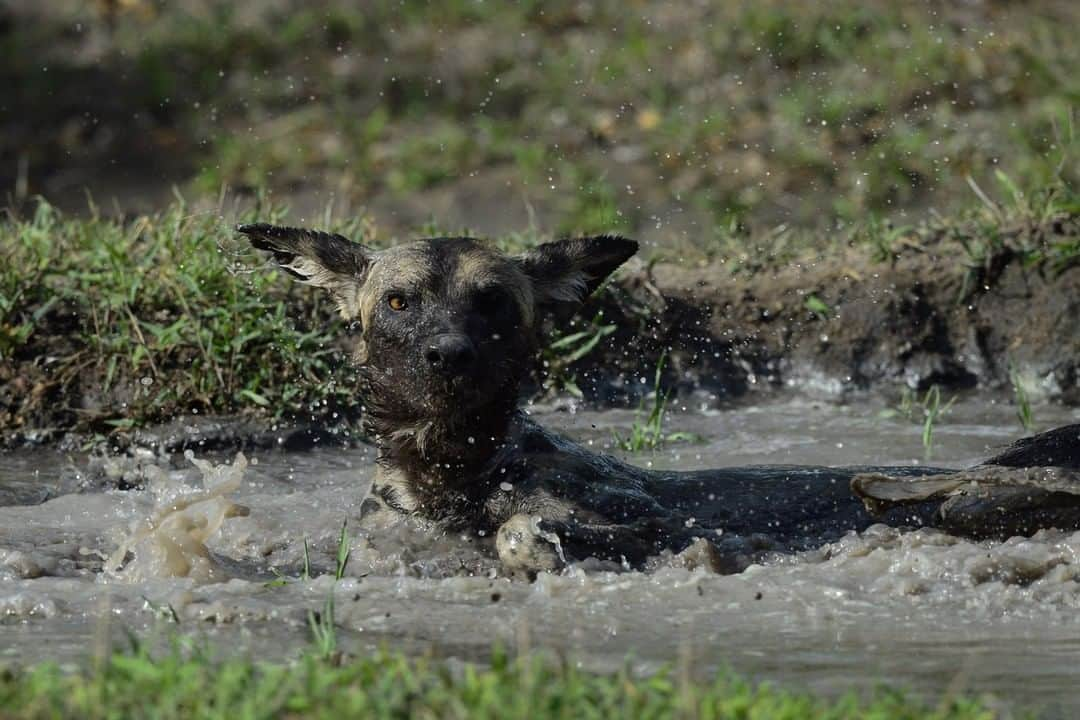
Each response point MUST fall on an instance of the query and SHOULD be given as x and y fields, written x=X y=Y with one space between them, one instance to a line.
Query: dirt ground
x=850 y=324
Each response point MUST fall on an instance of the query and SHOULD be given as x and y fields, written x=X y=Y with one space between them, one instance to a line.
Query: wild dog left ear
x=322 y=259
x=564 y=273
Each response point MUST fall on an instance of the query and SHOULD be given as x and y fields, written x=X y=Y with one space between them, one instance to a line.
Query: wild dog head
x=445 y=328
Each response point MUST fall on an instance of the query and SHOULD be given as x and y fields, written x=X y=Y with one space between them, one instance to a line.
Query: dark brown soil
x=915 y=323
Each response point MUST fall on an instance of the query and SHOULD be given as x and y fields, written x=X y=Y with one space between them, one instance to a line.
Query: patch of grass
x=1023 y=404
x=342 y=561
x=927 y=410
x=188 y=684
x=566 y=349
x=933 y=411
x=647 y=431
x=114 y=323
x=321 y=625
x=343 y=551
x=818 y=307
x=305 y=571
x=1035 y=227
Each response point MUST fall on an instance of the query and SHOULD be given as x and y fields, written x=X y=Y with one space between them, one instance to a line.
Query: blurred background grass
x=667 y=120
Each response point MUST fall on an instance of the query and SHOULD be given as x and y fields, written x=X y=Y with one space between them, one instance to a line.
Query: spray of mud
x=171 y=540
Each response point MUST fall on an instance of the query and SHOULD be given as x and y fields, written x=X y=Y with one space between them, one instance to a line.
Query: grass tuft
x=647 y=431
x=387 y=685
x=927 y=410
x=1023 y=404
x=566 y=349
x=323 y=629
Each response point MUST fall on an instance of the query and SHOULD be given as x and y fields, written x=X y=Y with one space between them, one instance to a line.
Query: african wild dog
x=446 y=329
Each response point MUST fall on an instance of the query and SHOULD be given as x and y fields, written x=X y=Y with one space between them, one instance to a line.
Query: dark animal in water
x=447 y=329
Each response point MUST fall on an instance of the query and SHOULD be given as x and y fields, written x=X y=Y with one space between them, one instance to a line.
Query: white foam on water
x=1018 y=576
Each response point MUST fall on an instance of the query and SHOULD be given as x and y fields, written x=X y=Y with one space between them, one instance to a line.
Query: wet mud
x=214 y=545
x=843 y=325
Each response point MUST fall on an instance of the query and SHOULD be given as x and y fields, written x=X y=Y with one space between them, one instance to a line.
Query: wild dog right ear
x=564 y=273
x=322 y=259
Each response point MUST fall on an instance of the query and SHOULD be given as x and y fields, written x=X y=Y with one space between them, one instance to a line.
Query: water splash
x=171 y=541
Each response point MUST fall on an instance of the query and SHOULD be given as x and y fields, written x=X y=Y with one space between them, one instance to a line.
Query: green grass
x=322 y=625
x=343 y=552
x=567 y=348
x=933 y=411
x=999 y=224
x=647 y=431
x=1023 y=404
x=190 y=684
x=323 y=630
x=1016 y=226
x=116 y=323
x=927 y=410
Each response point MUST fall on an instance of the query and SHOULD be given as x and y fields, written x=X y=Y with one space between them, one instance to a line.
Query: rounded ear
x=566 y=272
x=322 y=259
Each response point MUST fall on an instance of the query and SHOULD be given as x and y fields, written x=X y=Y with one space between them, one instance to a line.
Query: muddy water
x=918 y=609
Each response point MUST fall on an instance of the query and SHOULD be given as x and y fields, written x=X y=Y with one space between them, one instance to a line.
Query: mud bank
x=850 y=323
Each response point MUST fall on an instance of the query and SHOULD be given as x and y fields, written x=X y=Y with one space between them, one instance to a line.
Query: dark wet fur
x=1059 y=448
x=454 y=448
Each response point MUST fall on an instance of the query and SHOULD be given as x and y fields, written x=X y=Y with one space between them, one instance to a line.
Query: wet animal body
x=446 y=330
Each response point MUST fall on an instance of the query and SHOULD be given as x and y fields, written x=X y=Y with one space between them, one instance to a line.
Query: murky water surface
x=919 y=609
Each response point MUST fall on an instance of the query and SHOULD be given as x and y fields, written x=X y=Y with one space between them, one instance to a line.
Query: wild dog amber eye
x=396 y=302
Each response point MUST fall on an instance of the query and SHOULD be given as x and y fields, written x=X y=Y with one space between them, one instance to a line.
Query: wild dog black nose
x=450 y=353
